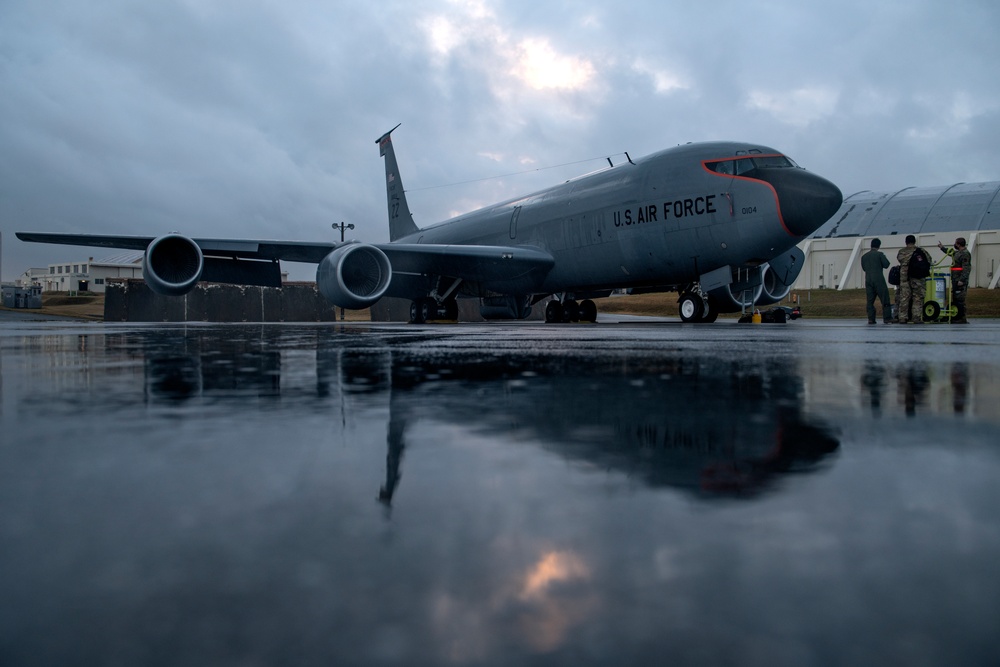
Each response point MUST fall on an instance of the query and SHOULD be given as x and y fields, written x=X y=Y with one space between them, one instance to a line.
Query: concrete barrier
x=131 y=300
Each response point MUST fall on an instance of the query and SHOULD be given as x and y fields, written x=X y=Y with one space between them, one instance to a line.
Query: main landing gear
x=570 y=311
x=694 y=308
x=427 y=309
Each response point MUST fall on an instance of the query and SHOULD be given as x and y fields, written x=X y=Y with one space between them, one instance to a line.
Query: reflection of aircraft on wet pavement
x=177 y=368
x=716 y=222
x=708 y=426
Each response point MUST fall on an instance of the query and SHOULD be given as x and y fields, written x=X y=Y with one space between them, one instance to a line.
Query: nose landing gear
x=695 y=308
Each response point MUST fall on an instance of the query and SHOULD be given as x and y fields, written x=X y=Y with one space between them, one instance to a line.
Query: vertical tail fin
x=400 y=220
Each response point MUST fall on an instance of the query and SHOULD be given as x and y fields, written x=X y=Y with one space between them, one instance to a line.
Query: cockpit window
x=724 y=167
x=773 y=161
x=748 y=160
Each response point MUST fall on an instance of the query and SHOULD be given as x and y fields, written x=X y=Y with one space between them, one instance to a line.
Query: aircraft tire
x=553 y=312
x=711 y=313
x=588 y=311
x=420 y=311
x=691 y=307
x=571 y=311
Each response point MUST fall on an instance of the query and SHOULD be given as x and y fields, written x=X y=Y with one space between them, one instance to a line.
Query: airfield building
x=84 y=276
x=971 y=210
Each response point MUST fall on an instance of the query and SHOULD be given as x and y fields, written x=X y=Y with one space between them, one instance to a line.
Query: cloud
x=540 y=67
x=258 y=119
x=799 y=107
x=473 y=37
x=664 y=80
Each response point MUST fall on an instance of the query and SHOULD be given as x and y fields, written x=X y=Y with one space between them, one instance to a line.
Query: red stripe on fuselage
x=777 y=202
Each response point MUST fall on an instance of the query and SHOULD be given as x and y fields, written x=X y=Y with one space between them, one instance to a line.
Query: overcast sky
x=258 y=119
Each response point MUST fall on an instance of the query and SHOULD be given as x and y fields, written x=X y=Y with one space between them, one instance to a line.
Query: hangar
x=833 y=252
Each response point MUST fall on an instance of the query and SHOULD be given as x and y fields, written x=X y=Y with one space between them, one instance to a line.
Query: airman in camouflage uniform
x=911 y=292
x=961 y=268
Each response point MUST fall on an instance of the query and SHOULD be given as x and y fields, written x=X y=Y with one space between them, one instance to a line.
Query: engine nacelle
x=173 y=265
x=354 y=276
x=773 y=290
x=779 y=274
x=745 y=289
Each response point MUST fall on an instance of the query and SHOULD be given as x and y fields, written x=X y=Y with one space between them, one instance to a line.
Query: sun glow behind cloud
x=539 y=66
x=531 y=63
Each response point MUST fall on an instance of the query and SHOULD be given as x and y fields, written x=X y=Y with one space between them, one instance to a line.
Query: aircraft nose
x=806 y=200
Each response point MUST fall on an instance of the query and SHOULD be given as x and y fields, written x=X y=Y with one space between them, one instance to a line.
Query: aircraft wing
x=478 y=263
x=291 y=251
x=506 y=269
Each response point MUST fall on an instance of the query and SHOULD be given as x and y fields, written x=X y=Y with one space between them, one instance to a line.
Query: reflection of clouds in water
x=554 y=599
x=554 y=567
x=538 y=608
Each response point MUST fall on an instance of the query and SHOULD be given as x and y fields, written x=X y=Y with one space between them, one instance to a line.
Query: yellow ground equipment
x=937 y=294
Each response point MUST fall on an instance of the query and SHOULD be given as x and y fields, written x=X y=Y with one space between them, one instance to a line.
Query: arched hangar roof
x=962 y=207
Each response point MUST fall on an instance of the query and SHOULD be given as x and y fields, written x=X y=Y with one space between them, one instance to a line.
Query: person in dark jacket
x=874 y=262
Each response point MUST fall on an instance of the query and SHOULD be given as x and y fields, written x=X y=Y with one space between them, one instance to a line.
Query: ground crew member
x=874 y=263
x=961 y=268
x=911 y=291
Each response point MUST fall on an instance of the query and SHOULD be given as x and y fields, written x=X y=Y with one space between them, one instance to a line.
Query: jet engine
x=355 y=275
x=773 y=290
x=173 y=265
x=746 y=288
x=779 y=274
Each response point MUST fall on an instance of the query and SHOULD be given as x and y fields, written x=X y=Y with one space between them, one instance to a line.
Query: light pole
x=342 y=227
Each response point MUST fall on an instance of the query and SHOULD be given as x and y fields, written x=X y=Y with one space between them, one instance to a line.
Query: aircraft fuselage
x=662 y=220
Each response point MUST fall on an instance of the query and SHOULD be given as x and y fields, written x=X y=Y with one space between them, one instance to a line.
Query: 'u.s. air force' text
x=682 y=208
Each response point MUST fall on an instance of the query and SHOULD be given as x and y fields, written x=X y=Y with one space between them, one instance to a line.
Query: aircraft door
x=513 y=222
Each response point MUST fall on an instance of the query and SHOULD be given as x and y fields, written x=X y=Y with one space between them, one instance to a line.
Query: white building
x=88 y=276
x=970 y=210
x=32 y=276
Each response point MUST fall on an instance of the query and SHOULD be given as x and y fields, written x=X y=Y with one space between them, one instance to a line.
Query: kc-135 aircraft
x=716 y=222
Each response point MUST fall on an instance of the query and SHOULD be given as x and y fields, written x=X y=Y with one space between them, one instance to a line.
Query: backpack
x=919 y=266
x=894 y=275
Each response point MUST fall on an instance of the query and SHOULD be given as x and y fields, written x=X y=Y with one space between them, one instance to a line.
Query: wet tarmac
x=816 y=493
